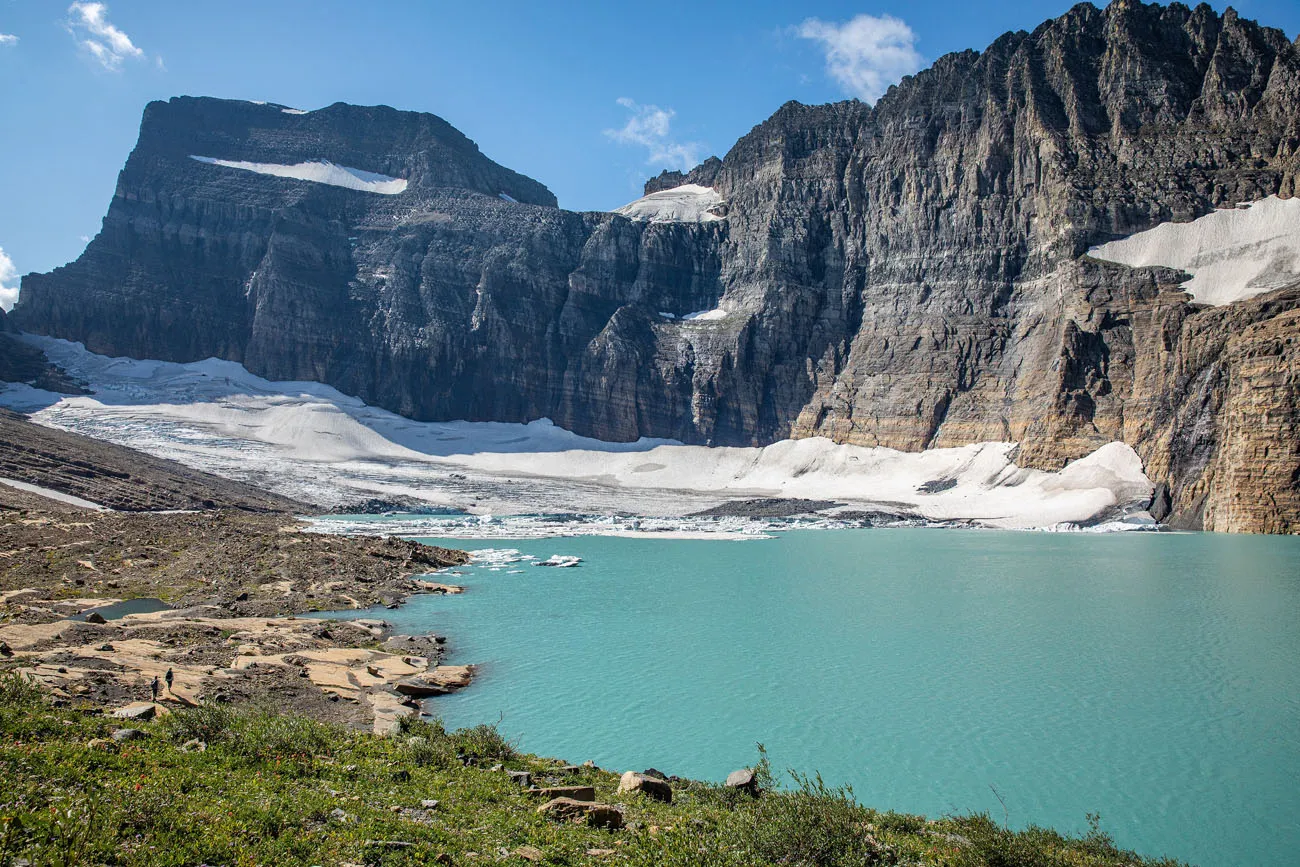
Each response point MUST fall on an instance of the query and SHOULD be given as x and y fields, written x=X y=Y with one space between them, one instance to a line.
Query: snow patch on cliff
x=1232 y=254
x=706 y=315
x=310 y=441
x=58 y=496
x=689 y=203
x=320 y=172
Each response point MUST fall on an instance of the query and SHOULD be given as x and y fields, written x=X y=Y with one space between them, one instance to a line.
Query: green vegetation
x=242 y=787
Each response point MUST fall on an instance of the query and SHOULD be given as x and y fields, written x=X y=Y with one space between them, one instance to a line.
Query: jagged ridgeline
x=913 y=274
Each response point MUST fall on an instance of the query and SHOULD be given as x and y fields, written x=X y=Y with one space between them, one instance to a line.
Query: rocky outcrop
x=27 y=364
x=911 y=274
x=705 y=174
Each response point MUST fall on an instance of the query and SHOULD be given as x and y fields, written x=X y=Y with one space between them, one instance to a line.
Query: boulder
x=123 y=735
x=571 y=810
x=523 y=779
x=530 y=853
x=439 y=681
x=649 y=786
x=96 y=618
x=745 y=779
x=139 y=710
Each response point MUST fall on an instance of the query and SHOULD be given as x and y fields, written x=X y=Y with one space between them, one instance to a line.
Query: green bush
x=17 y=691
x=261 y=736
x=209 y=723
x=484 y=743
x=426 y=744
x=814 y=825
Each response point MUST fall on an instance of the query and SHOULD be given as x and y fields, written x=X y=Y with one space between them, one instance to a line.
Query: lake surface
x=1152 y=678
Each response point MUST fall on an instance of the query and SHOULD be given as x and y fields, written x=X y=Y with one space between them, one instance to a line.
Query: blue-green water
x=1152 y=678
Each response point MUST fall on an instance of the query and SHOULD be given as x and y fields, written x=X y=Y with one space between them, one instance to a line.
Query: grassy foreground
x=270 y=788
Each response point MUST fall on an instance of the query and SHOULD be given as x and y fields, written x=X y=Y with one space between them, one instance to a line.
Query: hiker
x=170 y=677
x=153 y=687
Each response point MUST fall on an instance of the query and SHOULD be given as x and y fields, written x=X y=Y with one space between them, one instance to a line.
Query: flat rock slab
x=440 y=681
x=577 y=793
x=140 y=710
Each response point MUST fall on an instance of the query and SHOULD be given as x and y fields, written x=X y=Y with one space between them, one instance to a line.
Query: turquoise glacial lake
x=1151 y=678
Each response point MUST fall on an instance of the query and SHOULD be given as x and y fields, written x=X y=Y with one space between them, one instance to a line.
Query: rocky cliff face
x=911 y=274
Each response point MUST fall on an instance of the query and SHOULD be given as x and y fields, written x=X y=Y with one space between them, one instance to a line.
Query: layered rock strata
x=912 y=274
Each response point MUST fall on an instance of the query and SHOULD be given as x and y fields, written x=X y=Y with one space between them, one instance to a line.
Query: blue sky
x=588 y=98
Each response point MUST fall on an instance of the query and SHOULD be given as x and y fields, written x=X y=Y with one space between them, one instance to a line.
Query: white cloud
x=7 y=39
x=865 y=54
x=651 y=127
x=89 y=25
x=8 y=282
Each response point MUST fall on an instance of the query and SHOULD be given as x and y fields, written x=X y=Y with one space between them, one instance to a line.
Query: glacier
x=314 y=443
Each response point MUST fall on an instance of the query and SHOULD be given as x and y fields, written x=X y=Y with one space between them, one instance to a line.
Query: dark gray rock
x=123 y=735
x=704 y=174
x=1160 y=505
x=765 y=507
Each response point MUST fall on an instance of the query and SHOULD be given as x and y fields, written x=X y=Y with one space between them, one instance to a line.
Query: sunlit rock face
x=913 y=274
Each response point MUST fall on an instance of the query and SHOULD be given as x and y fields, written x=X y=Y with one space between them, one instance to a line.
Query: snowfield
x=713 y=315
x=689 y=203
x=320 y=172
x=1232 y=254
x=310 y=441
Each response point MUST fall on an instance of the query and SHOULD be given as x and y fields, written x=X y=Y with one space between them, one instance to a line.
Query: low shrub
x=209 y=723
x=484 y=743
x=263 y=736
x=814 y=824
x=17 y=690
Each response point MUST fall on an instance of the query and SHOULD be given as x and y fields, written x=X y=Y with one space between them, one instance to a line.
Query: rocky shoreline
x=240 y=587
